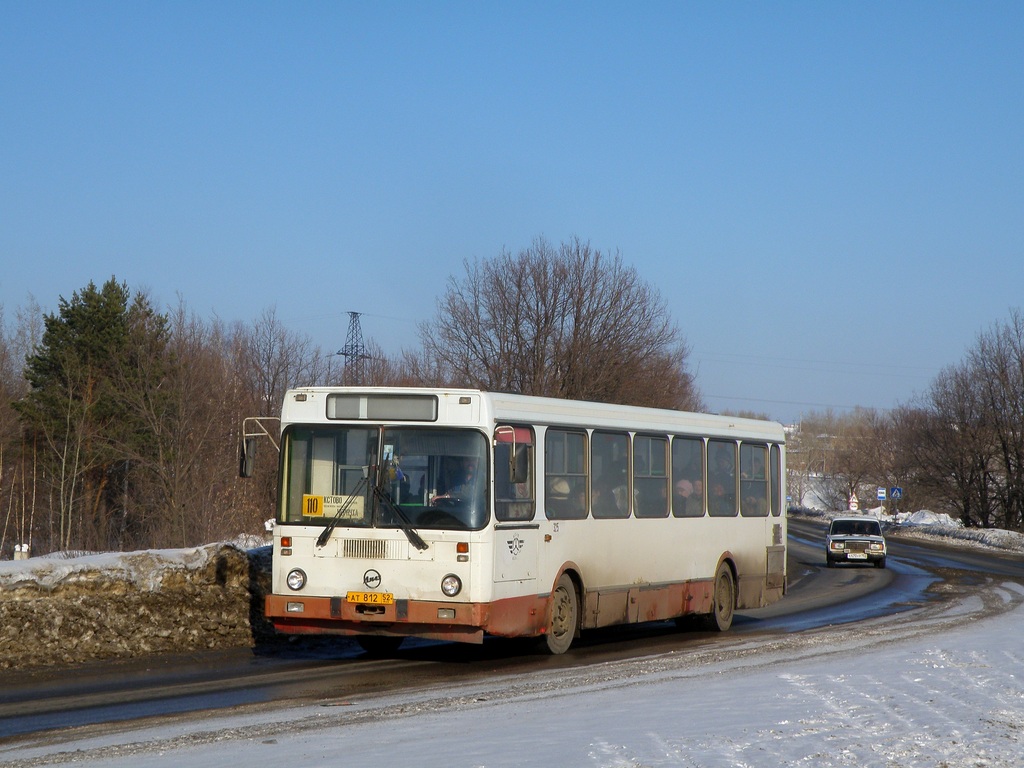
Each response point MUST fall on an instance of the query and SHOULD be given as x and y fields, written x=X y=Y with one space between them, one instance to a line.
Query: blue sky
x=829 y=196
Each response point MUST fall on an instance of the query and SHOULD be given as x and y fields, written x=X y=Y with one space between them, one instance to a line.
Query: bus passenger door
x=516 y=551
x=516 y=535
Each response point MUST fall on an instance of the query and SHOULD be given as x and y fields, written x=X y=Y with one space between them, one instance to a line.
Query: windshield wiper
x=322 y=539
x=404 y=523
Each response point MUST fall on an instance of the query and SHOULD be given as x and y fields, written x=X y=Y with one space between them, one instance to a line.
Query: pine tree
x=78 y=376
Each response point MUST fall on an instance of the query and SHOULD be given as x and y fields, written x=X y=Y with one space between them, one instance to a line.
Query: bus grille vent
x=372 y=549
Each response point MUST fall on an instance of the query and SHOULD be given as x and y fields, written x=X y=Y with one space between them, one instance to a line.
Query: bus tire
x=563 y=616
x=723 y=600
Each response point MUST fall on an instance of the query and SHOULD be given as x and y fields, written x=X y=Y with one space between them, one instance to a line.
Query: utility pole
x=354 y=352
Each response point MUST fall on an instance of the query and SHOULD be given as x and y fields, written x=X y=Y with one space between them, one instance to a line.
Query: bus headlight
x=451 y=585
x=296 y=579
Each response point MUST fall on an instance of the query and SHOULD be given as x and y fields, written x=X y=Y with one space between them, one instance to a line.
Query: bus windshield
x=425 y=478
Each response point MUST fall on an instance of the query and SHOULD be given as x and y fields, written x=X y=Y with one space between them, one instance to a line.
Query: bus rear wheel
x=724 y=600
x=563 y=617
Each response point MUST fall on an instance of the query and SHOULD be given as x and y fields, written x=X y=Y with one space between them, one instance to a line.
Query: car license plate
x=370 y=598
x=857 y=556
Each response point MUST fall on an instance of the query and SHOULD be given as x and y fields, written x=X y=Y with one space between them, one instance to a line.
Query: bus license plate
x=370 y=598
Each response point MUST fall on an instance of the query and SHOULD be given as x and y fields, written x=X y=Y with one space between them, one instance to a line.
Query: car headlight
x=451 y=585
x=296 y=579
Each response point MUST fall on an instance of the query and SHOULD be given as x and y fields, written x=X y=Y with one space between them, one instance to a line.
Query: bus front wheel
x=720 y=618
x=563 y=617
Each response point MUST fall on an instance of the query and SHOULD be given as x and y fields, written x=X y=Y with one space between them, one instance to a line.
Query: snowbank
x=57 y=610
x=929 y=525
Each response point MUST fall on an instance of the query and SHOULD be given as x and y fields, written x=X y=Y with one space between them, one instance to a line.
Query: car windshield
x=856 y=528
x=424 y=478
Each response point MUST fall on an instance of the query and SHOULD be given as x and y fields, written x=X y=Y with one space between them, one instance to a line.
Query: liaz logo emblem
x=371 y=579
x=515 y=545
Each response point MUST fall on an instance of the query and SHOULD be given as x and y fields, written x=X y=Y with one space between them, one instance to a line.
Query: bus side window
x=609 y=473
x=776 y=482
x=650 y=478
x=688 y=477
x=565 y=478
x=722 y=478
x=753 y=480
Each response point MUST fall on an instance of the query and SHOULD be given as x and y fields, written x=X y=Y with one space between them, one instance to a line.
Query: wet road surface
x=335 y=669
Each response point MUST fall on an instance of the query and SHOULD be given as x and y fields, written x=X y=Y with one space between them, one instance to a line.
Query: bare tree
x=998 y=363
x=571 y=322
x=946 y=451
x=961 y=442
x=271 y=359
x=19 y=454
x=836 y=455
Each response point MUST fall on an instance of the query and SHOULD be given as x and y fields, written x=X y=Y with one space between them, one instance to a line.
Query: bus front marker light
x=451 y=585
x=296 y=579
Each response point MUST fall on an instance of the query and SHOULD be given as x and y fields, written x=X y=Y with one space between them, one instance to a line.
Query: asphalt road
x=61 y=705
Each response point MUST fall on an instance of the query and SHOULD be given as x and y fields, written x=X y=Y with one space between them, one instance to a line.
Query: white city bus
x=453 y=514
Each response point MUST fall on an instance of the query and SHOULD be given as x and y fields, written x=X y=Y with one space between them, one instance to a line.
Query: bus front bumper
x=435 y=620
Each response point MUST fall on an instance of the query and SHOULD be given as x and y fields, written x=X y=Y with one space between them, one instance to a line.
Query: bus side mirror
x=247 y=459
x=519 y=464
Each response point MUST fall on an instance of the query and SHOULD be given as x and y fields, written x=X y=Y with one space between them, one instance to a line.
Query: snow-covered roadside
x=952 y=699
x=929 y=525
x=59 y=611
x=943 y=688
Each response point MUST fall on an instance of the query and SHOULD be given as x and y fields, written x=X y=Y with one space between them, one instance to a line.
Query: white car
x=855 y=540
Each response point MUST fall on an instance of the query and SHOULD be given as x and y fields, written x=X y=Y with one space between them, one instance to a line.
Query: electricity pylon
x=354 y=352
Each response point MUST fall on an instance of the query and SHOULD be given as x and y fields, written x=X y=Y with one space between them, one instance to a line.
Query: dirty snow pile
x=57 y=610
x=941 y=689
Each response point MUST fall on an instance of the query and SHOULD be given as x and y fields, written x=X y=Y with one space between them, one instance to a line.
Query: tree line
x=120 y=422
x=956 y=449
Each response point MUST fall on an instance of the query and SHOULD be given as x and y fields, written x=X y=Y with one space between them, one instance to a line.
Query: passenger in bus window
x=756 y=468
x=610 y=499
x=755 y=506
x=722 y=481
x=689 y=498
x=688 y=466
x=557 y=496
x=602 y=501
